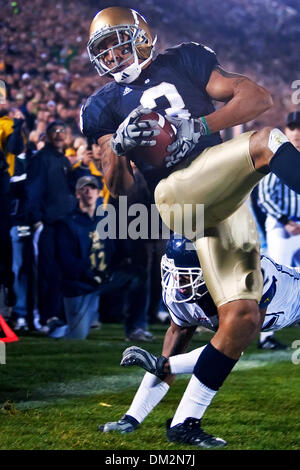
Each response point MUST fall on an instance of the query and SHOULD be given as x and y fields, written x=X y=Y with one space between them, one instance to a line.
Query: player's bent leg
x=230 y=260
x=259 y=150
x=239 y=324
x=229 y=255
x=270 y=148
x=150 y=392
x=221 y=178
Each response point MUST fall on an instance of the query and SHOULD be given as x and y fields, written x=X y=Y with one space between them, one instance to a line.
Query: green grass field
x=54 y=394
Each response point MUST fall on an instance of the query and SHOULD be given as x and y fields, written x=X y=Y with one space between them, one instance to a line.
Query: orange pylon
x=10 y=336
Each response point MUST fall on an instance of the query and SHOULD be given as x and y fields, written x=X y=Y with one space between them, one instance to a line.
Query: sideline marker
x=10 y=336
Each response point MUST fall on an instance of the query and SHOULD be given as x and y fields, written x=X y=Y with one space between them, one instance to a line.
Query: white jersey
x=281 y=296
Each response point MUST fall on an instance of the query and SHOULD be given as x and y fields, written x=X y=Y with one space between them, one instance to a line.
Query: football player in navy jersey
x=181 y=84
x=190 y=305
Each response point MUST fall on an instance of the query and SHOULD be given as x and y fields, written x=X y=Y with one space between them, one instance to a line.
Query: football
x=156 y=154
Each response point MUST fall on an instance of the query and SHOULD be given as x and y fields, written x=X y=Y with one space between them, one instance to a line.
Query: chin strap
x=128 y=75
x=133 y=71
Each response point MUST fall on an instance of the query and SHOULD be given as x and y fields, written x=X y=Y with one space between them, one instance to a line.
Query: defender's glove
x=131 y=133
x=189 y=132
x=135 y=356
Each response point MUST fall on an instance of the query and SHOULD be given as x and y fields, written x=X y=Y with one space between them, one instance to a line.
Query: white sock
x=196 y=399
x=150 y=392
x=185 y=363
x=265 y=335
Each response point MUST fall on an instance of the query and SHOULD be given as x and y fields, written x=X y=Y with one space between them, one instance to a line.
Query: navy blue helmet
x=181 y=273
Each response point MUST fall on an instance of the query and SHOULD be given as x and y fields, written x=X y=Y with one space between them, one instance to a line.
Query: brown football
x=156 y=154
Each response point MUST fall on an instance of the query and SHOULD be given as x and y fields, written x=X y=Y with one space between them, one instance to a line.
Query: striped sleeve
x=277 y=199
x=274 y=197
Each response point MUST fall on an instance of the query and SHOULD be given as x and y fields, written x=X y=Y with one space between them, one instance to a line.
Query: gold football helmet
x=129 y=28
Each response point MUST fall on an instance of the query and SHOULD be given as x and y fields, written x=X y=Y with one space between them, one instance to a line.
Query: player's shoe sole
x=135 y=356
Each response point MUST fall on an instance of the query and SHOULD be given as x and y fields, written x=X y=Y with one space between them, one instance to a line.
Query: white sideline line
x=253 y=361
x=92 y=386
x=96 y=385
x=57 y=393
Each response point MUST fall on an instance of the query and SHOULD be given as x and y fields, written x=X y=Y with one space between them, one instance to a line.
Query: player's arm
x=116 y=170
x=176 y=342
x=177 y=339
x=245 y=99
x=130 y=134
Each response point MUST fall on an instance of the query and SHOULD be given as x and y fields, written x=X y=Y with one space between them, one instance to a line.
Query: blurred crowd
x=48 y=76
x=59 y=275
x=47 y=73
x=44 y=63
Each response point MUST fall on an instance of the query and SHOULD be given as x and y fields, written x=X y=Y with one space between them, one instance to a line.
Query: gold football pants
x=221 y=178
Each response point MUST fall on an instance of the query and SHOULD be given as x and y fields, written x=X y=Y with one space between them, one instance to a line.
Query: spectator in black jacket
x=49 y=199
x=22 y=246
x=92 y=266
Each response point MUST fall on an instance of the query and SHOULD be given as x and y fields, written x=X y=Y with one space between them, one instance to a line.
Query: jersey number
x=98 y=261
x=169 y=91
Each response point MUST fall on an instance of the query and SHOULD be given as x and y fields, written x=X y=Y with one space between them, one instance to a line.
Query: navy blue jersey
x=81 y=253
x=175 y=79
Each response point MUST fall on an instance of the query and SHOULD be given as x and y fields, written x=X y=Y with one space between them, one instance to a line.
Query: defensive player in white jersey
x=190 y=305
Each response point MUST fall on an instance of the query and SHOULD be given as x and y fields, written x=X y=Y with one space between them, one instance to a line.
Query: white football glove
x=189 y=132
x=131 y=133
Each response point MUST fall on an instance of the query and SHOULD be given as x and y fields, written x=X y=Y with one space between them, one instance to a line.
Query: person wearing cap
x=282 y=208
x=92 y=266
x=49 y=198
x=292 y=129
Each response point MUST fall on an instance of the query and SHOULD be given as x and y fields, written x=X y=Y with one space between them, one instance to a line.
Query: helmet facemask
x=177 y=279
x=130 y=35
